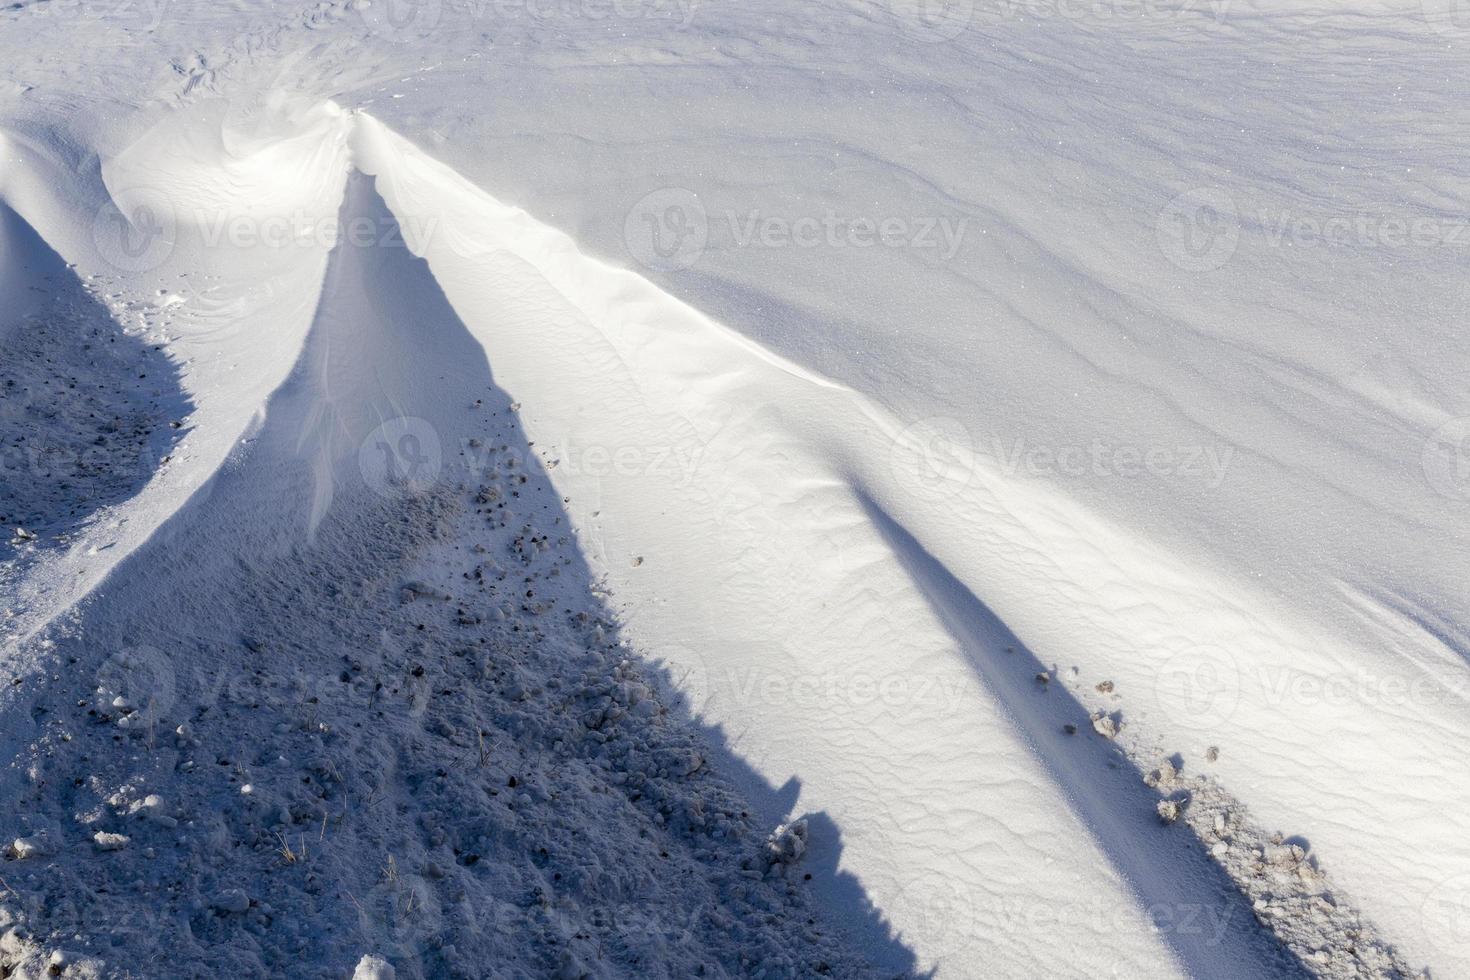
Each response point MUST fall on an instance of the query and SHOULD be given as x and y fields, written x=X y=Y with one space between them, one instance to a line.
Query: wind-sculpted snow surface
x=973 y=532
x=361 y=697
x=383 y=394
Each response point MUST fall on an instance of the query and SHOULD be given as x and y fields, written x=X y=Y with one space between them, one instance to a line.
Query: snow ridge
x=478 y=756
x=291 y=736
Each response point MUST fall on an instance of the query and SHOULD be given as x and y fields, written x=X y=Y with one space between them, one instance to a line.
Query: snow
x=374 y=968
x=851 y=487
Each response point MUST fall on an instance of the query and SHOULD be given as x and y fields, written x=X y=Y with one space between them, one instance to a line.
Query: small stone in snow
x=36 y=846
x=374 y=968
x=1104 y=725
x=231 y=901
x=788 y=842
x=1169 y=810
x=110 y=842
x=1162 y=776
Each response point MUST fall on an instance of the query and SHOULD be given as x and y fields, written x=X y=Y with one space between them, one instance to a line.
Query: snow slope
x=285 y=749
x=1164 y=415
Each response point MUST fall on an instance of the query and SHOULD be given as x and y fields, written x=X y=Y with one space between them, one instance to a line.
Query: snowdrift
x=838 y=592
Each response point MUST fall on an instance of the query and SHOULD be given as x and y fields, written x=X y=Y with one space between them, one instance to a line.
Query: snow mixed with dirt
x=669 y=488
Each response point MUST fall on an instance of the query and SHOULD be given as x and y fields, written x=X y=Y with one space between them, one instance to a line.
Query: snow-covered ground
x=669 y=488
